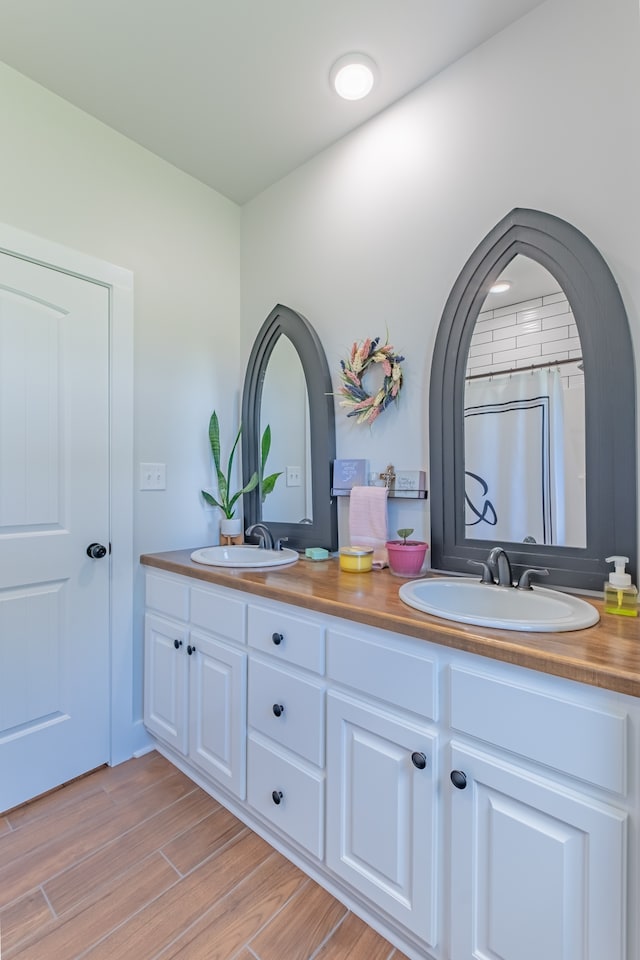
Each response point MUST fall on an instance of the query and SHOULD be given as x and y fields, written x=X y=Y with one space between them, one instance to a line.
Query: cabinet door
x=217 y=724
x=165 y=680
x=381 y=810
x=537 y=870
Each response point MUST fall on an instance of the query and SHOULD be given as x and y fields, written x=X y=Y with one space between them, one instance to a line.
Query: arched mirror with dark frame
x=609 y=445
x=287 y=388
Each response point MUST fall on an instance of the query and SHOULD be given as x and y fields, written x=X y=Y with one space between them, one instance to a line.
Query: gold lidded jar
x=356 y=559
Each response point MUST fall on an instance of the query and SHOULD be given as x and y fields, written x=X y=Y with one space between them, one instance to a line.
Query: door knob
x=419 y=760
x=96 y=551
x=278 y=709
x=276 y=796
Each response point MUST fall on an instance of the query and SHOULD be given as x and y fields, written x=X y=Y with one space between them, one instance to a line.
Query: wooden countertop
x=606 y=655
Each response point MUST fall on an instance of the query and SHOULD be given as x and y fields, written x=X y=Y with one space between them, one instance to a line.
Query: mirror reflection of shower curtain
x=514 y=458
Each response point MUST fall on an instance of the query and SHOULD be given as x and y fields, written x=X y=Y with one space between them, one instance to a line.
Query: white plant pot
x=230 y=528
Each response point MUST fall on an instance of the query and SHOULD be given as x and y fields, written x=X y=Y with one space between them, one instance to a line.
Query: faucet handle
x=278 y=544
x=523 y=582
x=487 y=576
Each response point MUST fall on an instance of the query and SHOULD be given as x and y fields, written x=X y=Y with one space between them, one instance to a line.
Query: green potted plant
x=226 y=501
x=406 y=557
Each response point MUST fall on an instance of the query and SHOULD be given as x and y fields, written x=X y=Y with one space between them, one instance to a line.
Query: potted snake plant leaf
x=226 y=501
x=267 y=484
x=406 y=557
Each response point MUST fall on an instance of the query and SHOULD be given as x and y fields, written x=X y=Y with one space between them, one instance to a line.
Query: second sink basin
x=469 y=601
x=243 y=555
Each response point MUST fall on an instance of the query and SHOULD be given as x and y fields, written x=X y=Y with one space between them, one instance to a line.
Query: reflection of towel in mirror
x=368 y=521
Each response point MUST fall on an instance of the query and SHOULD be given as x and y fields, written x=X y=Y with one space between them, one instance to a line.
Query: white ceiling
x=236 y=92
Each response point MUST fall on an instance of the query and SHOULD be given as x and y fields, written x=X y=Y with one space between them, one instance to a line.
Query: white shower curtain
x=514 y=458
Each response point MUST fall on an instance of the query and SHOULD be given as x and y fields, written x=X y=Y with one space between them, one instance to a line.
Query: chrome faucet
x=263 y=533
x=498 y=563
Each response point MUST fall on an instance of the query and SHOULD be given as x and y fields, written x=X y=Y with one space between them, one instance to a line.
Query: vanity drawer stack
x=286 y=713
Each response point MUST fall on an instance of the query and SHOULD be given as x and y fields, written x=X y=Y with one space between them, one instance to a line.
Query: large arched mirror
x=532 y=408
x=287 y=407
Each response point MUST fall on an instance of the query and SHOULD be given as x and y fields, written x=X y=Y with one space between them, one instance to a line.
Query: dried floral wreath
x=362 y=405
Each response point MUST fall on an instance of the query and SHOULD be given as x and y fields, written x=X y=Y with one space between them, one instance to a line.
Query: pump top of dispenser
x=619 y=578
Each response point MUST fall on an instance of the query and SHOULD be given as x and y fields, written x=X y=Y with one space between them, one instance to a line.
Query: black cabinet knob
x=458 y=779
x=177 y=644
x=278 y=709
x=191 y=649
x=277 y=638
x=276 y=796
x=419 y=760
x=96 y=551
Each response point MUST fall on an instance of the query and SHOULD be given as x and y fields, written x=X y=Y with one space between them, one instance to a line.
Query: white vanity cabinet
x=539 y=830
x=196 y=677
x=466 y=808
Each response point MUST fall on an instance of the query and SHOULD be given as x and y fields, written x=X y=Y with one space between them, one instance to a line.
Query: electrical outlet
x=153 y=476
x=293 y=476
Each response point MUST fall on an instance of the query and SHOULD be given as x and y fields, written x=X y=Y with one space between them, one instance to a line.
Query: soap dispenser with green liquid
x=620 y=595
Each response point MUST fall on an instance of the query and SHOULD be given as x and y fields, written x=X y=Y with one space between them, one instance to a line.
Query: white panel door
x=381 y=810
x=54 y=502
x=166 y=680
x=218 y=711
x=537 y=870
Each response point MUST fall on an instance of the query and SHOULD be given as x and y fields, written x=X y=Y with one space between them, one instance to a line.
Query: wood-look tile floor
x=135 y=862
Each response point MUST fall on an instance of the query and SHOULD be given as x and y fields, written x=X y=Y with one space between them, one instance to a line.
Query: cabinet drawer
x=287 y=637
x=299 y=703
x=589 y=743
x=218 y=613
x=167 y=596
x=393 y=669
x=299 y=813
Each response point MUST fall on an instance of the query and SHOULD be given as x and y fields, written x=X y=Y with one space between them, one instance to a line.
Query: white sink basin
x=469 y=601
x=244 y=555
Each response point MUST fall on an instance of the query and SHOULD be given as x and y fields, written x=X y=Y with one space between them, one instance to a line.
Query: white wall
x=69 y=178
x=371 y=235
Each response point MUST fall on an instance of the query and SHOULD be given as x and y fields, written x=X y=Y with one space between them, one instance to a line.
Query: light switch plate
x=153 y=476
x=293 y=476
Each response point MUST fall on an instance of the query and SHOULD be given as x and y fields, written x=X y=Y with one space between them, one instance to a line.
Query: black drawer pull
x=419 y=760
x=191 y=649
x=458 y=779
x=276 y=796
x=277 y=638
x=177 y=644
x=278 y=709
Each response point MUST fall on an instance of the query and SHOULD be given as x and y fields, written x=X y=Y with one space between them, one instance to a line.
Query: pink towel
x=368 y=521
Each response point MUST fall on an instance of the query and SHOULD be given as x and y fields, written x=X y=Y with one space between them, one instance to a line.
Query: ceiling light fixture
x=353 y=76
x=500 y=287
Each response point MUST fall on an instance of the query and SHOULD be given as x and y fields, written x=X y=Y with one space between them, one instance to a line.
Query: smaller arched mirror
x=563 y=460
x=287 y=406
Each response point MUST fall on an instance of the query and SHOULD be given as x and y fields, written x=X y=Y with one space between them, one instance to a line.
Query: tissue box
x=348 y=474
